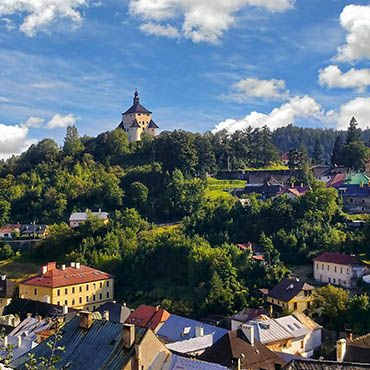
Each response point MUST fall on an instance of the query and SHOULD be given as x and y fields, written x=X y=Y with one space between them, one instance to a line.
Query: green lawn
x=19 y=270
x=215 y=184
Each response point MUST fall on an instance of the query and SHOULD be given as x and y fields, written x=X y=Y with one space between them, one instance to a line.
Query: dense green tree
x=72 y=143
x=6 y=252
x=317 y=153
x=355 y=155
x=4 y=211
x=337 y=156
x=353 y=132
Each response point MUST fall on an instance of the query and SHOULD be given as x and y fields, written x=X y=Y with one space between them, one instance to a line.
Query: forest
x=192 y=267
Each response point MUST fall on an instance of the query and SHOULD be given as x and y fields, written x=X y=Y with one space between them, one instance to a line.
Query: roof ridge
x=365 y=336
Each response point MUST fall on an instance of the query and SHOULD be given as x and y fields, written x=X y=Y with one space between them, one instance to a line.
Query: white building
x=338 y=269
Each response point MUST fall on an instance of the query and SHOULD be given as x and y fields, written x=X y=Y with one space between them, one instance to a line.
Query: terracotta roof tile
x=70 y=276
x=338 y=258
x=148 y=316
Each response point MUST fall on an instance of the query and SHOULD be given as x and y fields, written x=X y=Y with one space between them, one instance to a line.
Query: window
x=73 y=290
x=101 y=296
x=66 y=302
x=87 y=287
x=334 y=280
x=101 y=285
x=328 y=268
x=295 y=305
x=80 y=300
x=329 y=279
x=94 y=297
x=363 y=200
x=94 y=308
x=87 y=298
x=308 y=304
x=335 y=269
x=80 y=289
x=58 y=303
x=344 y=282
x=351 y=200
x=73 y=302
x=66 y=291
x=322 y=267
x=107 y=294
x=347 y=271
x=35 y=291
x=108 y=283
x=341 y=270
x=58 y=292
x=302 y=344
x=94 y=286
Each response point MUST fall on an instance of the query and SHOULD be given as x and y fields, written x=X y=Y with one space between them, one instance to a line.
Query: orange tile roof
x=148 y=316
x=55 y=277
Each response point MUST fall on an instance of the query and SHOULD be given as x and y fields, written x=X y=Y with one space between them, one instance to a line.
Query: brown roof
x=308 y=364
x=235 y=345
x=9 y=228
x=148 y=316
x=152 y=124
x=287 y=289
x=338 y=258
x=307 y=321
x=55 y=277
x=358 y=349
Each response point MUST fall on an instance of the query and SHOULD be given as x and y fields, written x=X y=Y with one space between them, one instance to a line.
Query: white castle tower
x=137 y=120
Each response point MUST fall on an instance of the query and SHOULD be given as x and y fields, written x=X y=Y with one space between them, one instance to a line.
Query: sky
x=198 y=65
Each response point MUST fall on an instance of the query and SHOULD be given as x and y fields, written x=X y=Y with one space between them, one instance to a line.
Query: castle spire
x=136 y=97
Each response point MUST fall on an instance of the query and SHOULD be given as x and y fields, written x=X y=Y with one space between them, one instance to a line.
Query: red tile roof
x=336 y=181
x=148 y=316
x=338 y=258
x=55 y=277
x=9 y=228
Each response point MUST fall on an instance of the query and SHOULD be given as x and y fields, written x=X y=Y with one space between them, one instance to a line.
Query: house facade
x=138 y=120
x=6 y=231
x=77 y=286
x=291 y=295
x=78 y=218
x=356 y=197
x=338 y=269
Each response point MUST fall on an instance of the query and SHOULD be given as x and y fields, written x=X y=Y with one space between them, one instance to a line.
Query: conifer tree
x=337 y=154
x=353 y=133
x=317 y=153
x=72 y=143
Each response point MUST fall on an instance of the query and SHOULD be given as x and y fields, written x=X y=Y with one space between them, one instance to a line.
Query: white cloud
x=159 y=30
x=355 y=19
x=13 y=140
x=243 y=90
x=332 y=76
x=8 y=24
x=62 y=121
x=40 y=13
x=33 y=122
x=359 y=107
x=203 y=20
x=3 y=99
x=296 y=107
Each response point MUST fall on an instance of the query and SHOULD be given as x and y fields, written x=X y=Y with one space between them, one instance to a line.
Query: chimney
x=157 y=308
x=8 y=320
x=3 y=277
x=6 y=342
x=106 y=315
x=248 y=331
x=199 y=331
x=44 y=270
x=128 y=335
x=39 y=318
x=99 y=210
x=86 y=319
x=29 y=315
x=19 y=340
x=73 y=264
x=65 y=309
x=341 y=349
x=63 y=267
x=51 y=266
x=124 y=304
x=78 y=265
x=350 y=336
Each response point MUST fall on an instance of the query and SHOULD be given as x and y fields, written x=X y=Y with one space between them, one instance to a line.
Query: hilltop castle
x=137 y=120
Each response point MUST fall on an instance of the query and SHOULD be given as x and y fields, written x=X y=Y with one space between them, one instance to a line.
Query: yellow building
x=291 y=295
x=138 y=120
x=77 y=286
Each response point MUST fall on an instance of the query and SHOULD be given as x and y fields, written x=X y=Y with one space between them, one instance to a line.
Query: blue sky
x=198 y=64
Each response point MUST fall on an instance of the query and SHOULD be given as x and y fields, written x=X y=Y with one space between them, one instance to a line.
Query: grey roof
x=18 y=351
x=99 y=347
x=269 y=330
x=287 y=289
x=117 y=312
x=30 y=228
x=82 y=216
x=180 y=363
x=308 y=364
x=178 y=328
x=191 y=345
x=293 y=326
x=152 y=124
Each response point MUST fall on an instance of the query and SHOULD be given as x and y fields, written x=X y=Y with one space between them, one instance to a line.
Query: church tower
x=137 y=120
